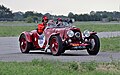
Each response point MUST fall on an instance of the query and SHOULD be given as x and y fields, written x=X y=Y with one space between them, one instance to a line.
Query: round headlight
x=86 y=33
x=70 y=33
x=77 y=34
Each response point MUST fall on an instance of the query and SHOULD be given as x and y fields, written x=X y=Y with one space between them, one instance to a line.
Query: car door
x=48 y=31
x=61 y=31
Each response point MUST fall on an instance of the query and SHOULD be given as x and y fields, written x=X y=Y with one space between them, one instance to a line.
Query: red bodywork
x=75 y=43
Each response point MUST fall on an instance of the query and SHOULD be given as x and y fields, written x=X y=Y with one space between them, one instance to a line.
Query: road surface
x=9 y=51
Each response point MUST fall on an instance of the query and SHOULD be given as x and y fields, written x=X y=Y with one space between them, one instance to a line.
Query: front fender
x=28 y=36
x=53 y=34
x=93 y=33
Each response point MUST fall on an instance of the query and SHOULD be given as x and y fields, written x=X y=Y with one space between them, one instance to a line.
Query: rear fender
x=53 y=34
x=27 y=36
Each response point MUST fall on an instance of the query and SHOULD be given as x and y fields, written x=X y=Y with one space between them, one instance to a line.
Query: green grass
x=17 y=23
x=110 y=44
x=44 y=67
x=100 y=27
x=14 y=30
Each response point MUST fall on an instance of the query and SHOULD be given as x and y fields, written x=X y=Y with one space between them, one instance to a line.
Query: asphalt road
x=9 y=51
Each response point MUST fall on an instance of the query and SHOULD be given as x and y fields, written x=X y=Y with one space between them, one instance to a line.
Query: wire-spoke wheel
x=56 y=45
x=24 y=44
x=94 y=45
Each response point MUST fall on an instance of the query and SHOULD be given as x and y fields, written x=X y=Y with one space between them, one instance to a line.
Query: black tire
x=93 y=50
x=63 y=51
x=24 y=44
x=56 y=45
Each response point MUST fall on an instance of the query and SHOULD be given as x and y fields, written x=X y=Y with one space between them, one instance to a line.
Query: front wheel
x=56 y=45
x=24 y=44
x=94 y=45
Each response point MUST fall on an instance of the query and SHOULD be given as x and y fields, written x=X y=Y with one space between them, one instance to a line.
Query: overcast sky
x=62 y=7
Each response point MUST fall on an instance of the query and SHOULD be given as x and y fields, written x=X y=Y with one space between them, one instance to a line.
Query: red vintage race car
x=59 y=38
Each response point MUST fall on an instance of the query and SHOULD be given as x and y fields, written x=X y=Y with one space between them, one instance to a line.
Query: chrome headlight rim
x=76 y=34
x=70 y=33
x=86 y=33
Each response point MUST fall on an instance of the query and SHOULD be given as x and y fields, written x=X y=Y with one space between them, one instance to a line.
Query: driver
x=51 y=22
x=43 y=25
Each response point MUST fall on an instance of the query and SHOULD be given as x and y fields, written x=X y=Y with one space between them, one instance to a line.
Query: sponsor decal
x=75 y=44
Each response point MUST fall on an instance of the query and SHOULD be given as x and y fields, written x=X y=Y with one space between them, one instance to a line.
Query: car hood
x=73 y=28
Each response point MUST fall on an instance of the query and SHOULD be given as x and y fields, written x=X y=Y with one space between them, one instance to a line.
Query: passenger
x=51 y=23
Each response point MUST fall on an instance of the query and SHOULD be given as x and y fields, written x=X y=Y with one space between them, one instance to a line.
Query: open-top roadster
x=60 y=38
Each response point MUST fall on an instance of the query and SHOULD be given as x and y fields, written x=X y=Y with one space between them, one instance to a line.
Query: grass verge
x=15 y=28
x=44 y=67
x=110 y=44
x=17 y=23
x=6 y=31
x=98 y=27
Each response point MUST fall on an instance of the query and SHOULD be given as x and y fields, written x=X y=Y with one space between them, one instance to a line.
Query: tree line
x=30 y=16
x=96 y=16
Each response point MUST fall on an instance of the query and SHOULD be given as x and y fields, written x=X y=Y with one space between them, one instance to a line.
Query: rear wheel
x=24 y=44
x=56 y=45
x=94 y=45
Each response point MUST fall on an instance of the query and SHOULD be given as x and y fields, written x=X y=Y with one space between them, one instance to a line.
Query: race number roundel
x=41 y=40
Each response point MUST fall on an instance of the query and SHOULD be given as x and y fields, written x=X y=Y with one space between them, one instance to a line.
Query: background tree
x=30 y=16
x=5 y=13
x=71 y=15
x=18 y=16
